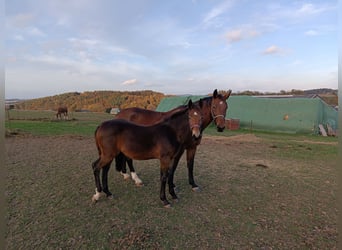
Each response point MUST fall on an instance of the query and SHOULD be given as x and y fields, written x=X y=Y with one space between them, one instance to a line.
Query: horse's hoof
x=125 y=176
x=139 y=184
x=110 y=197
x=167 y=205
x=176 y=200
x=93 y=200
x=196 y=189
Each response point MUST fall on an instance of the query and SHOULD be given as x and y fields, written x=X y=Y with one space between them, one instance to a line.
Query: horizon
x=176 y=47
x=239 y=92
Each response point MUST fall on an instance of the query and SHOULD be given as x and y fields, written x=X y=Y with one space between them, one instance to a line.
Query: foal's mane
x=176 y=112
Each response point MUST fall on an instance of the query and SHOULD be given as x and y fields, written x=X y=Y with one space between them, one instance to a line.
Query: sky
x=173 y=47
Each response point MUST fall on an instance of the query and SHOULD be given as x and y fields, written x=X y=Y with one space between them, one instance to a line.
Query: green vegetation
x=45 y=123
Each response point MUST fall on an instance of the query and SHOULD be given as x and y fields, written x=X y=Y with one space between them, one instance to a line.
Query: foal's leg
x=97 y=166
x=190 y=157
x=105 y=180
x=98 y=189
x=171 y=186
x=135 y=177
x=173 y=169
x=120 y=161
x=163 y=178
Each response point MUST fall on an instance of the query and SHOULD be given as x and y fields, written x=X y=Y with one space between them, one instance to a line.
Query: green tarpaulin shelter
x=290 y=115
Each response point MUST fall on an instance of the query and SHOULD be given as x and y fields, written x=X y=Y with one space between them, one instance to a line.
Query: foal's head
x=218 y=109
x=195 y=118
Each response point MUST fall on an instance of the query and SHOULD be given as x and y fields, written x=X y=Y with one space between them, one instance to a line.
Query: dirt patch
x=235 y=138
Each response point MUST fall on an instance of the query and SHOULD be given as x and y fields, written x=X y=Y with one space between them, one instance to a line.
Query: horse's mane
x=174 y=113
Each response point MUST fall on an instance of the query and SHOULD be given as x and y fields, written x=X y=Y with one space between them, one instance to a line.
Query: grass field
x=259 y=191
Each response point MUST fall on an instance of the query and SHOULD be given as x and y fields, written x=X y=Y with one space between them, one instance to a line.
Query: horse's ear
x=215 y=93
x=190 y=104
x=201 y=103
x=228 y=94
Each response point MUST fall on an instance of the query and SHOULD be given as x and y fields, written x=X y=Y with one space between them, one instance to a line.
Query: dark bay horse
x=213 y=108
x=60 y=111
x=117 y=137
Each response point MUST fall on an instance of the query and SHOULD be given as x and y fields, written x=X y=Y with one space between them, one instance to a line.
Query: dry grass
x=257 y=193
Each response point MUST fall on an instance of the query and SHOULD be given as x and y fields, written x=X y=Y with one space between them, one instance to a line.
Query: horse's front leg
x=134 y=175
x=173 y=170
x=163 y=178
x=105 y=180
x=190 y=157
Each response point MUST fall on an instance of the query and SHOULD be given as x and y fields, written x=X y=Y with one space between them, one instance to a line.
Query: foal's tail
x=97 y=143
x=119 y=161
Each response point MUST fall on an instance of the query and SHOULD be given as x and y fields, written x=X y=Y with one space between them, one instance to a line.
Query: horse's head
x=195 y=118
x=219 y=108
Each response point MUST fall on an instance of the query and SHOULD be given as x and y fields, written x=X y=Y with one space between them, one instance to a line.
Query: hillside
x=96 y=101
x=100 y=101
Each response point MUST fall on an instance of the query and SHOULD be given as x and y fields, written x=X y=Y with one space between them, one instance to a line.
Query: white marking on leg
x=137 y=180
x=125 y=175
x=96 y=196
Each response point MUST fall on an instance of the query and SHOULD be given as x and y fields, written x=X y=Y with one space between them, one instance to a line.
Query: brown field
x=258 y=192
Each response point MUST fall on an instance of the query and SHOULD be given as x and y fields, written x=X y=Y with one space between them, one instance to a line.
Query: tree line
x=104 y=101
x=95 y=101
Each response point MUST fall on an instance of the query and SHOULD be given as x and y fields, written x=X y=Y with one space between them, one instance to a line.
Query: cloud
x=239 y=34
x=234 y=35
x=21 y=20
x=34 y=31
x=311 y=33
x=129 y=82
x=310 y=9
x=18 y=38
x=273 y=50
x=211 y=17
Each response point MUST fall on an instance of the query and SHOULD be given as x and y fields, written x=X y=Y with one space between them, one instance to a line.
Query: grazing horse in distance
x=117 y=137
x=213 y=108
x=60 y=111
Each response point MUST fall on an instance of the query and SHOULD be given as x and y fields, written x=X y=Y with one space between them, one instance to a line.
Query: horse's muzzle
x=220 y=129
x=196 y=133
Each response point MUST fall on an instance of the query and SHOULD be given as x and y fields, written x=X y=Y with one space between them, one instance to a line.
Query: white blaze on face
x=196 y=129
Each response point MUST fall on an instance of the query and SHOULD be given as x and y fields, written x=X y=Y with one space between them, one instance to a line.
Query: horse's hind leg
x=120 y=165
x=124 y=169
x=98 y=189
x=97 y=166
x=135 y=177
x=105 y=180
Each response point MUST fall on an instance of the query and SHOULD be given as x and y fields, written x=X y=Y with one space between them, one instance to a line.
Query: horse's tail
x=97 y=143
x=119 y=161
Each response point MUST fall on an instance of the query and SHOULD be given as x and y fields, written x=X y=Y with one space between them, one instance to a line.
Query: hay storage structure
x=288 y=115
